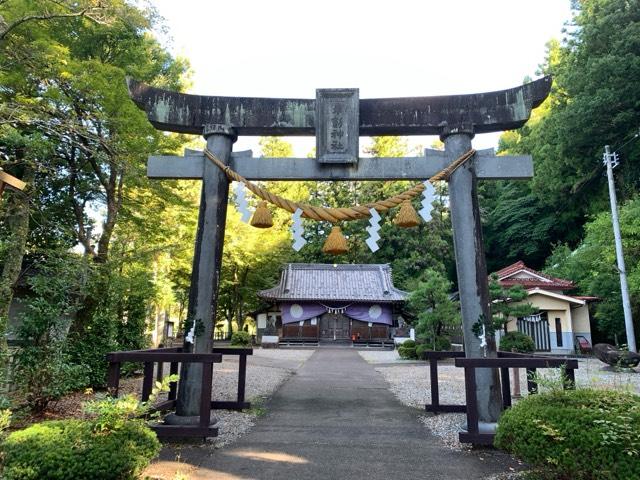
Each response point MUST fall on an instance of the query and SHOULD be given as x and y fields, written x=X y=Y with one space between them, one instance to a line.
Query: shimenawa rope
x=336 y=215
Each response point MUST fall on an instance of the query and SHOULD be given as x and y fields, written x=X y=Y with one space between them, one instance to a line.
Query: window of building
x=558 y=332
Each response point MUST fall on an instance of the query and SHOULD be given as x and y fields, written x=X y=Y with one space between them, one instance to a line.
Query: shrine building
x=333 y=303
x=562 y=324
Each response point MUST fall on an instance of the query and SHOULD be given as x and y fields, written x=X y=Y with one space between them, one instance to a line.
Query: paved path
x=336 y=419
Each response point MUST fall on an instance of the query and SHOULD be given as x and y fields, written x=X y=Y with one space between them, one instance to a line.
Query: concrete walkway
x=335 y=419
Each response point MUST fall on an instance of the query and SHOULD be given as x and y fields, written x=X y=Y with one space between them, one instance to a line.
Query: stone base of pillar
x=174 y=419
x=483 y=427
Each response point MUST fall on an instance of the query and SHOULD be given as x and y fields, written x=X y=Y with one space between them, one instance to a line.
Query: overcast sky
x=396 y=48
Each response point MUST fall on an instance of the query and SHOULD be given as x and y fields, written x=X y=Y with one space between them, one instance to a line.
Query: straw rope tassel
x=335 y=244
x=262 y=216
x=407 y=216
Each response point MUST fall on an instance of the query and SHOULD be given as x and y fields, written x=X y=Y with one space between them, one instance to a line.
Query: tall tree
x=435 y=311
x=65 y=116
x=593 y=102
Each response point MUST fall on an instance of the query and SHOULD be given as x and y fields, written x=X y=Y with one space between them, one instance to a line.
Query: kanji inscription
x=337 y=123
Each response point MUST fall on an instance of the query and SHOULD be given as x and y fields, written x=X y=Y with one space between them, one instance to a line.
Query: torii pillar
x=471 y=268
x=207 y=263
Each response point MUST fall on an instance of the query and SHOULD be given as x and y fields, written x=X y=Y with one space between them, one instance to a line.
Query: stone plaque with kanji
x=337 y=125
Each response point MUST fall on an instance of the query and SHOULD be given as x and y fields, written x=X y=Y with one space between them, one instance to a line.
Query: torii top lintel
x=439 y=115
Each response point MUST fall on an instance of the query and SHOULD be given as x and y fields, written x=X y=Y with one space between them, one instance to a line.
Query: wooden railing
x=504 y=362
x=435 y=406
x=155 y=359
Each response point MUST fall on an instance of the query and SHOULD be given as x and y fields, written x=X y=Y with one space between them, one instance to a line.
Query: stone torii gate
x=337 y=117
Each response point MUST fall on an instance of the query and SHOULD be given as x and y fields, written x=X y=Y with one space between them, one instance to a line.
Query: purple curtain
x=293 y=312
x=367 y=312
x=296 y=312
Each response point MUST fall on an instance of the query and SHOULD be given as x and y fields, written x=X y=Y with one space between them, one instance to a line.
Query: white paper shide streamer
x=428 y=197
x=297 y=229
x=372 y=230
x=241 y=202
x=190 y=335
x=483 y=337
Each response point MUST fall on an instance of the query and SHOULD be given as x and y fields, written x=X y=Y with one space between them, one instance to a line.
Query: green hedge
x=241 y=339
x=576 y=434
x=69 y=449
x=517 y=342
x=420 y=349
x=407 y=350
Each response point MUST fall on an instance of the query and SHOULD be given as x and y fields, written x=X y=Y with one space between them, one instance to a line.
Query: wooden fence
x=155 y=359
x=504 y=362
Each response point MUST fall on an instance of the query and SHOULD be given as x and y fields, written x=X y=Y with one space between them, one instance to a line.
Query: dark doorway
x=334 y=326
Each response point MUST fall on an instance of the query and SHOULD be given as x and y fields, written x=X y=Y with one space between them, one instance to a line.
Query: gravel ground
x=411 y=385
x=383 y=356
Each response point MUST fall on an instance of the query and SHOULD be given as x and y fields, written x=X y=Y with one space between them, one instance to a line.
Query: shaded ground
x=334 y=419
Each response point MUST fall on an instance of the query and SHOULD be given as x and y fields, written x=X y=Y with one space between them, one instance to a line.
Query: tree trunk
x=17 y=221
x=113 y=192
x=239 y=299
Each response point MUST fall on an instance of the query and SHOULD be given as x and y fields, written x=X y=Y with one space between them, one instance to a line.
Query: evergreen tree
x=593 y=102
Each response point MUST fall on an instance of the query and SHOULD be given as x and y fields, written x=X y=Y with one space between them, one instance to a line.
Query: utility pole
x=611 y=161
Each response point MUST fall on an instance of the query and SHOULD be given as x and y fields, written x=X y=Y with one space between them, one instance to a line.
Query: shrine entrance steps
x=335 y=419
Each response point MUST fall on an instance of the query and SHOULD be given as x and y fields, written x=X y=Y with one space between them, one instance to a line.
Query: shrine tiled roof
x=519 y=274
x=334 y=282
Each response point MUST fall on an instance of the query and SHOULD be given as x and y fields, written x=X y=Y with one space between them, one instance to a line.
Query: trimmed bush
x=420 y=349
x=441 y=344
x=580 y=434
x=241 y=339
x=517 y=342
x=71 y=449
x=407 y=350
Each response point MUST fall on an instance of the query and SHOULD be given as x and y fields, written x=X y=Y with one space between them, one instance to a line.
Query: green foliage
x=575 y=434
x=593 y=102
x=115 y=321
x=407 y=350
x=42 y=369
x=275 y=147
x=436 y=312
x=113 y=413
x=409 y=251
x=517 y=342
x=241 y=339
x=441 y=344
x=110 y=413
x=592 y=266
x=506 y=304
x=60 y=450
x=5 y=422
x=66 y=117
x=421 y=348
